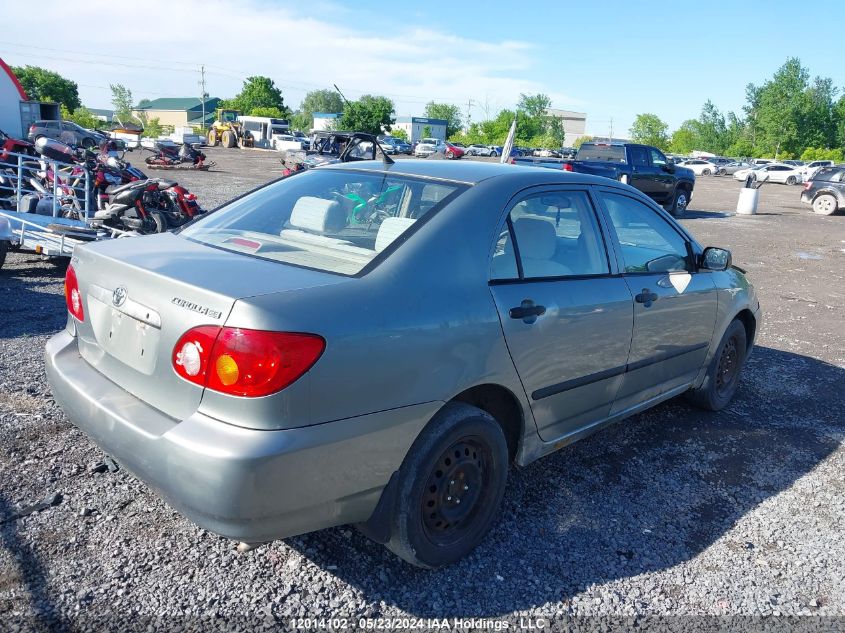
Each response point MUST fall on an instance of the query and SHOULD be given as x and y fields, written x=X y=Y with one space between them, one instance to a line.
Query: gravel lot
x=673 y=512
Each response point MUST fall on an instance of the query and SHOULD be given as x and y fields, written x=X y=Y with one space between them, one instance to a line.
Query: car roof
x=474 y=172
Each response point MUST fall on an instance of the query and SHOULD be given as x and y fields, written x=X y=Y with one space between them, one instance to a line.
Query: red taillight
x=567 y=167
x=32 y=128
x=807 y=185
x=73 y=298
x=241 y=362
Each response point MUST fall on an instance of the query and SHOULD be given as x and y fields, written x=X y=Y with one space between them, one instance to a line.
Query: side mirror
x=669 y=167
x=714 y=258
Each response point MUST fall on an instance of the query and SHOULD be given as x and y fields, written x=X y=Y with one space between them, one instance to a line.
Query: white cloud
x=412 y=65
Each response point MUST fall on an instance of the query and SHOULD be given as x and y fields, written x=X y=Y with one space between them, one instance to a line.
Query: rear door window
x=556 y=235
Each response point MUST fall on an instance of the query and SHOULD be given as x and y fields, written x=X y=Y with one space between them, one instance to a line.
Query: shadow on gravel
x=31 y=300
x=692 y=214
x=32 y=577
x=647 y=494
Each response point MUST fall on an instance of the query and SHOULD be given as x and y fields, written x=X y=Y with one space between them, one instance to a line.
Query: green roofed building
x=179 y=111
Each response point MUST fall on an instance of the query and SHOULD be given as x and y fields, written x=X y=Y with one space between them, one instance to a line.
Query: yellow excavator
x=228 y=131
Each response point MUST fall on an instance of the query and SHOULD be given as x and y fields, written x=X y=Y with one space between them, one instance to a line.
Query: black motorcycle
x=135 y=207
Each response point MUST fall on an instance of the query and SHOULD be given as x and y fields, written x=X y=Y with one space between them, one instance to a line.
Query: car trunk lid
x=142 y=294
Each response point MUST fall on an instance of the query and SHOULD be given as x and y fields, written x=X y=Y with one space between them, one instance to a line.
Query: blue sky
x=609 y=59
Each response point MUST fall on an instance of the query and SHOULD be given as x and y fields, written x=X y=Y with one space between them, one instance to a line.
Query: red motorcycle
x=13 y=145
x=178 y=205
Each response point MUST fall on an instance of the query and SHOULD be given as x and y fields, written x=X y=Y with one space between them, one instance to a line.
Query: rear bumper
x=244 y=484
x=805 y=198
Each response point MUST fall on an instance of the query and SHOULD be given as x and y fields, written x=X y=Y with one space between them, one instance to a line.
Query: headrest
x=390 y=230
x=317 y=214
x=536 y=237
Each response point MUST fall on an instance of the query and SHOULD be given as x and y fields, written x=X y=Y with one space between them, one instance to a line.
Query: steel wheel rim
x=728 y=367
x=455 y=489
x=682 y=201
x=824 y=203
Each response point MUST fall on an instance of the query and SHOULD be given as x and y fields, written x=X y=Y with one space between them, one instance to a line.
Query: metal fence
x=66 y=185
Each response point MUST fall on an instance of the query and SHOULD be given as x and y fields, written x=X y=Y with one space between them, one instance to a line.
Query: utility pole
x=203 y=94
x=469 y=114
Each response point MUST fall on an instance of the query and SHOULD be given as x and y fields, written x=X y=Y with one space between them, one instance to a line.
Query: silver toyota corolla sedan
x=375 y=344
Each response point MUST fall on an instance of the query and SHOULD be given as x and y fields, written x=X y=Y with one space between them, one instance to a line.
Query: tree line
x=789 y=116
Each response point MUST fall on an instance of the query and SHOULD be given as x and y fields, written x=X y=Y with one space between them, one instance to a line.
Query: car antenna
x=387 y=160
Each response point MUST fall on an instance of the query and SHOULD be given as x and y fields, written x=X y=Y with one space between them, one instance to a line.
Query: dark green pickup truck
x=643 y=167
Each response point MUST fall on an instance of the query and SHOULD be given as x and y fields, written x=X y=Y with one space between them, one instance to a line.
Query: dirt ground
x=674 y=512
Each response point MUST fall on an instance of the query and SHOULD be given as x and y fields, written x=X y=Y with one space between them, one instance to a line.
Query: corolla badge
x=118 y=297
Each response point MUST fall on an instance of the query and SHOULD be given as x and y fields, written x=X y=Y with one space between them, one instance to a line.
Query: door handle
x=646 y=297
x=527 y=311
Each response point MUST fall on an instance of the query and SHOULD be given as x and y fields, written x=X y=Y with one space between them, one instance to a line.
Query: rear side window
x=829 y=174
x=329 y=219
x=639 y=157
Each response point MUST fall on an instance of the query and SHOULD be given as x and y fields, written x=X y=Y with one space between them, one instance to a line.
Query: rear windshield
x=608 y=153
x=332 y=220
x=832 y=174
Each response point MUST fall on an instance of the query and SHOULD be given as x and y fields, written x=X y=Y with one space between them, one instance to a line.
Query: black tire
x=87 y=143
x=706 y=172
x=157 y=223
x=228 y=139
x=494 y=154
x=680 y=201
x=722 y=377
x=462 y=455
x=792 y=180
x=722 y=172
x=211 y=138
x=4 y=248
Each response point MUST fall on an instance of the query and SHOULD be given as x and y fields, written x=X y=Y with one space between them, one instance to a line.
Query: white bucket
x=747 y=203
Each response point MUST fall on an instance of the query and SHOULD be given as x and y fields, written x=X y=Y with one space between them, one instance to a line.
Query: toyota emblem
x=118 y=297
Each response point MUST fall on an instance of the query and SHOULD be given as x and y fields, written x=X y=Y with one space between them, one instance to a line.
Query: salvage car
x=373 y=343
x=826 y=190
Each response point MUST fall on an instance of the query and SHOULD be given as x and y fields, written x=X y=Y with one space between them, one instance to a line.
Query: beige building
x=179 y=111
x=574 y=124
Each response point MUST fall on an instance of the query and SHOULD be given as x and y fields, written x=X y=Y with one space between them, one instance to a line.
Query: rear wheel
x=212 y=139
x=722 y=377
x=679 y=203
x=722 y=172
x=824 y=204
x=791 y=180
x=706 y=172
x=494 y=154
x=450 y=487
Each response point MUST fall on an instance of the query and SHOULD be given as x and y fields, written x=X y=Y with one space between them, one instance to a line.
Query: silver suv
x=66 y=132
